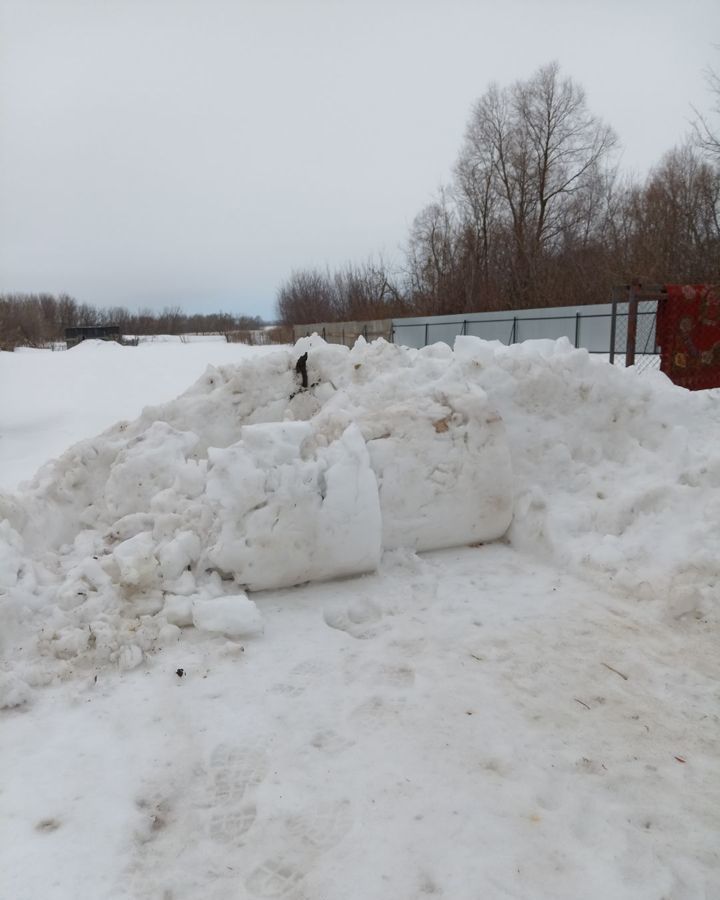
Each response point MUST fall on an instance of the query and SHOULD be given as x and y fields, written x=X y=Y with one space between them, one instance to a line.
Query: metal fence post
x=613 y=327
x=513 y=336
x=427 y=326
x=464 y=328
x=632 y=326
x=577 y=329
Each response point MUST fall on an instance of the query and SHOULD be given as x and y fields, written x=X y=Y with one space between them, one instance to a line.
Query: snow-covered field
x=48 y=401
x=532 y=717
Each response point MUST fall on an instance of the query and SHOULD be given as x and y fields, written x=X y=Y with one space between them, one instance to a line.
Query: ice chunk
x=136 y=560
x=130 y=657
x=178 y=554
x=233 y=615
x=178 y=610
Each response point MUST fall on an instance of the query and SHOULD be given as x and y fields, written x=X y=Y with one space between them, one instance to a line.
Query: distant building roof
x=92 y=331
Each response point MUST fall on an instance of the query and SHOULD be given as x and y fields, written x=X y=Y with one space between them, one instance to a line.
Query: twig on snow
x=624 y=677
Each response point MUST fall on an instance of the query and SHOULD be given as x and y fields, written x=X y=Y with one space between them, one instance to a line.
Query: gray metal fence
x=599 y=328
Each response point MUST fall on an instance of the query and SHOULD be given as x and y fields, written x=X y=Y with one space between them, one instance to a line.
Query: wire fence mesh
x=646 y=354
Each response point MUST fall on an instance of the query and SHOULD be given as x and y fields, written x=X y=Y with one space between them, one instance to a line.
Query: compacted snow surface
x=530 y=713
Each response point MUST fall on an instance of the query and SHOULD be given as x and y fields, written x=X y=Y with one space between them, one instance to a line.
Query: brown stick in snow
x=624 y=677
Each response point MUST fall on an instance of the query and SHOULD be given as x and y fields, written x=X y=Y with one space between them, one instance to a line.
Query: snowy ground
x=471 y=723
x=48 y=401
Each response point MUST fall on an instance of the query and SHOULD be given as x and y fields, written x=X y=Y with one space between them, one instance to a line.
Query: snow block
x=233 y=615
x=290 y=511
x=445 y=479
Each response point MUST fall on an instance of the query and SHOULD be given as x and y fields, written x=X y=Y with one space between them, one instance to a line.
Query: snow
x=384 y=451
x=52 y=400
x=617 y=472
x=233 y=615
x=290 y=516
x=533 y=718
x=177 y=338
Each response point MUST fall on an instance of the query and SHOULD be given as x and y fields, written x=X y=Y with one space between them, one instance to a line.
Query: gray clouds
x=166 y=152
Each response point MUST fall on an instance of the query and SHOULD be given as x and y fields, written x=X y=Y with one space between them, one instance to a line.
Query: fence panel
x=594 y=332
x=501 y=330
x=593 y=328
x=646 y=351
x=444 y=331
x=550 y=328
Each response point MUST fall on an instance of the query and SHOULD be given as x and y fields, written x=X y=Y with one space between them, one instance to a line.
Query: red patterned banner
x=688 y=332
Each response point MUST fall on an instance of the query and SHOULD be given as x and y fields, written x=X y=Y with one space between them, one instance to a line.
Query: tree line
x=36 y=320
x=537 y=213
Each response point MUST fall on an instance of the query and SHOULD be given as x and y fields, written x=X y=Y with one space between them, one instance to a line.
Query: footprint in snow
x=299 y=678
x=360 y=620
x=398 y=676
x=377 y=711
x=235 y=773
x=275 y=879
x=330 y=742
x=321 y=828
x=307 y=836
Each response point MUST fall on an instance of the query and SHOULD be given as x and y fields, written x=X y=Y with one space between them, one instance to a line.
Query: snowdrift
x=617 y=473
x=246 y=482
x=249 y=482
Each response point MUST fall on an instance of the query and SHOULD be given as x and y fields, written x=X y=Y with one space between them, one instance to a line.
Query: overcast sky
x=162 y=152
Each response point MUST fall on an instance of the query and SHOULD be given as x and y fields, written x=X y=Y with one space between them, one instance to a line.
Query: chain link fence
x=647 y=356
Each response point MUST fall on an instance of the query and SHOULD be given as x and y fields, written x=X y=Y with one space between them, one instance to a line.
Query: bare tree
x=532 y=159
x=306 y=297
x=708 y=137
x=36 y=320
x=537 y=215
x=668 y=229
x=432 y=258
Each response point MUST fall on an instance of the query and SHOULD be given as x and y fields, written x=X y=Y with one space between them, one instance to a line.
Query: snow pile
x=248 y=482
x=617 y=474
x=583 y=720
